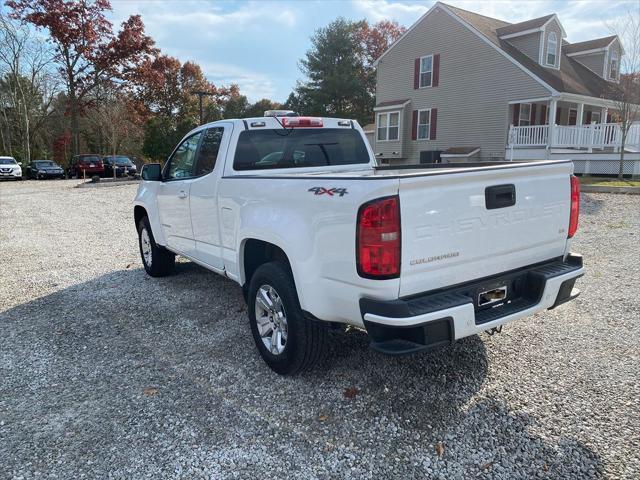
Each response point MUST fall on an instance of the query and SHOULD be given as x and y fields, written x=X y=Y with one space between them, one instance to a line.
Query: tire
x=306 y=339
x=157 y=260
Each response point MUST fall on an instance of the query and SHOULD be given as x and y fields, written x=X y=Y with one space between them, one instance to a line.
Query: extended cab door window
x=208 y=153
x=181 y=165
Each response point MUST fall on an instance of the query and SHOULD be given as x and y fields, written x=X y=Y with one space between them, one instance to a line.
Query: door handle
x=182 y=194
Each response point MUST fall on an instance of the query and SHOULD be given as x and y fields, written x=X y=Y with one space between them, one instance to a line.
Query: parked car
x=418 y=256
x=122 y=165
x=10 y=169
x=86 y=165
x=41 y=169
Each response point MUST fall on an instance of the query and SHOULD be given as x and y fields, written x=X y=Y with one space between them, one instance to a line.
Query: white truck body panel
x=448 y=233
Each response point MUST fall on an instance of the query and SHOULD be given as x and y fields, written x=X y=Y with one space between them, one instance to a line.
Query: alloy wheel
x=271 y=319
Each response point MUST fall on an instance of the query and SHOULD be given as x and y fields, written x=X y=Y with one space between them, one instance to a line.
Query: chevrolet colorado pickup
x=296 y=211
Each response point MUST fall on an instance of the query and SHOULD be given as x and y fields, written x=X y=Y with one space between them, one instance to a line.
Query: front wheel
x=157 y=260
x=287 y=340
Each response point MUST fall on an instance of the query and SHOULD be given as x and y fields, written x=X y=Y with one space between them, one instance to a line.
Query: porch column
x=580 y=114
x=553 y=106
x=605 y=112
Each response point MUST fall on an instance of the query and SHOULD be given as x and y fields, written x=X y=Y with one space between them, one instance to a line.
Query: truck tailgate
x=458 y=227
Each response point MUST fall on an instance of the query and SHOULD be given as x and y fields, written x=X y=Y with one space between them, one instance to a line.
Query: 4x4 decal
x=329 y=191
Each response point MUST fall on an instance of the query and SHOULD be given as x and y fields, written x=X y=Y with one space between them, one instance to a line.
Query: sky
x=257 y=44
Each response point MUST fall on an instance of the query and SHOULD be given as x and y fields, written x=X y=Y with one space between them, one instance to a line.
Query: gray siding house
x=454 y=86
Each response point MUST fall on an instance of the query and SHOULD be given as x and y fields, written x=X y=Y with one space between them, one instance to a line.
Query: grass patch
x=609 y=182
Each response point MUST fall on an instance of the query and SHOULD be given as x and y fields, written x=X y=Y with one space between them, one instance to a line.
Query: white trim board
x=391 y=107
x=586 y=52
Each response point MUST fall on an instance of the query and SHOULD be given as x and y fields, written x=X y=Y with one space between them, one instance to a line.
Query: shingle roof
x=523 y=26
x=588 y=44
x=392 y=103
x=572 y=77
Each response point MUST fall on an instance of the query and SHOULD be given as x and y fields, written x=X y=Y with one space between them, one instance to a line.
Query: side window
x=208 y=152
x=181 y=164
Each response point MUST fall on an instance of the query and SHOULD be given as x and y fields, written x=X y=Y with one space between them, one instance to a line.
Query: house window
x=595 y=117
x=388 y=126
x=424 y=124
x=426 y=71
x=524 y=119
x=552 y=48
x=613 y=65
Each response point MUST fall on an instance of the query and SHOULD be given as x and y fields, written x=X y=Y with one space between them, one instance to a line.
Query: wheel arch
x=139 y=212
x=255 y=252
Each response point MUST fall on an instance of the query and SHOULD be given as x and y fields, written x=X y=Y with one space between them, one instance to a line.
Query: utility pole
x=200 y=95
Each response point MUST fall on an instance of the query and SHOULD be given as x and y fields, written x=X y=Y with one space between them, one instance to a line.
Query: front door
x=173 y=197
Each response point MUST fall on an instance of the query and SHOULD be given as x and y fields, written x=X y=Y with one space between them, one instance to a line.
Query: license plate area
x=492 y=296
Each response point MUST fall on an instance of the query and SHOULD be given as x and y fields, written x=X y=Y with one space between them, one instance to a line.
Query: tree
x=112 y=123
x=257 y=109
x=166 y=100
x=378 y=38
x=236 y=107
x=339 y=69
x=27 y=88
x=626 y=94
x=87 y=52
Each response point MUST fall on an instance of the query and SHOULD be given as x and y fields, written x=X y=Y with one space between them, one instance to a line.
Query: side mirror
x=20 y=163
x=151 y=172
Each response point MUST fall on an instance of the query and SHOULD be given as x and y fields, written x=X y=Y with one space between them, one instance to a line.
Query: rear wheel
x=157 y=260
x=287 y=340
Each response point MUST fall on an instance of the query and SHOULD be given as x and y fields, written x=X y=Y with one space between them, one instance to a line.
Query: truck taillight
x=575 y=206
x=378 y=239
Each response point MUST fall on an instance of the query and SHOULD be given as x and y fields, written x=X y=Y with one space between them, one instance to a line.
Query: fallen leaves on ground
x=150 y=391
x=440 y=449
x=323 y=417
x=486 y=466
x=351 y=392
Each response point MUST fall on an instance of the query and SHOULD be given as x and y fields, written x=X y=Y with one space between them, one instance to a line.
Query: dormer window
x=613 y=65
x=552 y=49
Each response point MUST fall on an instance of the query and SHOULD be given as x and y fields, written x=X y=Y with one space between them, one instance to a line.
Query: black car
x=40 y=169
x=121 y=164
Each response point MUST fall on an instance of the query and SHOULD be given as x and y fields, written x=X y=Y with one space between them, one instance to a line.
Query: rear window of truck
x=299 y=148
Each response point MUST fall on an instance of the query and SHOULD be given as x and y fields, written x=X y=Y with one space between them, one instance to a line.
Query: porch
x=561 y=124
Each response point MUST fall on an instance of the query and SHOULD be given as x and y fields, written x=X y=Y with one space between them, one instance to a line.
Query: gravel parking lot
x=108 y=373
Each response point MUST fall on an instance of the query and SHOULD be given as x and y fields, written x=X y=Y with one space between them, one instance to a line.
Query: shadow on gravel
x=591 y=204
x=141 y=377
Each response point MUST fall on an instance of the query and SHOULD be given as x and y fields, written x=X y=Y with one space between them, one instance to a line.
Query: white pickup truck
x=297 y=212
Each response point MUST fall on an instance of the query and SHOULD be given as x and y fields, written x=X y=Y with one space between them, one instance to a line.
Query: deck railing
x=596 y=135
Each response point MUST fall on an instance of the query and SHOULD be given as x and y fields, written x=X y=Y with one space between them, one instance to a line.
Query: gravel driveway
x=108 y=373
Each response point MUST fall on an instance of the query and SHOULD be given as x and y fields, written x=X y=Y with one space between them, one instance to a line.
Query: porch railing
x=596 y=135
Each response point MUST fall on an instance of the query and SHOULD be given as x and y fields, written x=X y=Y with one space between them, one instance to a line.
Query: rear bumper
x=436 y=318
